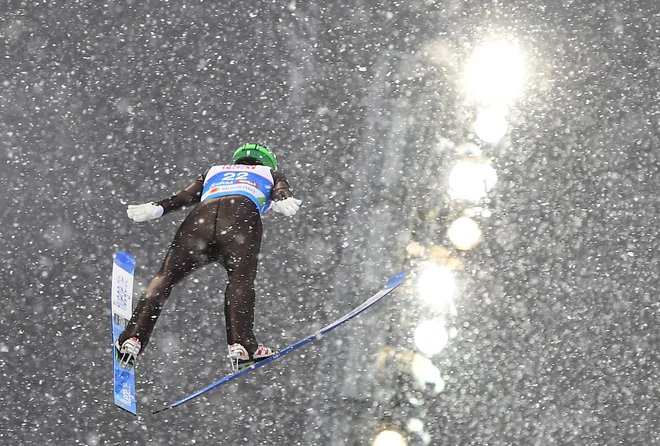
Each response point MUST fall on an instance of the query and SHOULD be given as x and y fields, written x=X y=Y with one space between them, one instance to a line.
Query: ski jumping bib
x=254 y=182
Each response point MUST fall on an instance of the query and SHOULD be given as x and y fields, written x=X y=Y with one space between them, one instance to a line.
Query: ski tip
x=396 y=280
x=125 y=259
x=127 y=408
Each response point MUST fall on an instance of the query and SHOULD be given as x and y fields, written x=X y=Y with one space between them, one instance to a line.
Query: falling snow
x=540 y=325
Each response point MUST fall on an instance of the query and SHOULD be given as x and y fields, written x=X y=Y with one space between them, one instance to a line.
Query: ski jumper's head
x=255 y=154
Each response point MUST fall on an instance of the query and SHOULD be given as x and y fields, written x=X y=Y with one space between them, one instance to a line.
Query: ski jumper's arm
x=185 y=197
x=283 y=201
x=281 y=189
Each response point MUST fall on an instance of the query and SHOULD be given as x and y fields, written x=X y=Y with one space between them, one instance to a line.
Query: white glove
x=288 y=206
x=144 y=212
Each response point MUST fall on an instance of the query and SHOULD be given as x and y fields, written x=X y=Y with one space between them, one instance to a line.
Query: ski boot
x=127 y=353
x=240 y=358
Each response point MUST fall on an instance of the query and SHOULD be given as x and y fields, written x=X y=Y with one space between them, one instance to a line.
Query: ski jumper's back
x=254 y=182
x=258 y=183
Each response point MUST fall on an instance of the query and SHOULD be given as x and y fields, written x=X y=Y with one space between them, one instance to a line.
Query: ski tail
x=391 y=284
x=123 y=270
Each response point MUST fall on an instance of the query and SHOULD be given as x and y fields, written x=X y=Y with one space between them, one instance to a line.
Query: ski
x=391 y=284
x=123 y=269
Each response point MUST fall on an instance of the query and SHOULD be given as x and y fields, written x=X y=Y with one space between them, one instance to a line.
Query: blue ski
x=123 y=270
x=394 y=282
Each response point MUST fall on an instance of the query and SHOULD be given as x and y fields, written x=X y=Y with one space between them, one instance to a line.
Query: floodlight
x=494 y=72
x=491 y=124
x=431 y=337
x=389 y=437
x=471 y=179
x=436 y=285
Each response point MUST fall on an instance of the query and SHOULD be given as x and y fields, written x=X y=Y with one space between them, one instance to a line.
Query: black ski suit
x=227 y=230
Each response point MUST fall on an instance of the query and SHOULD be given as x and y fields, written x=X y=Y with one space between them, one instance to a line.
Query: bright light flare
x=464 y=233
x=436 y=285
x=495 y=71
x=491 y=124
x=389 y=438
x=470 y=180
x=431 y=337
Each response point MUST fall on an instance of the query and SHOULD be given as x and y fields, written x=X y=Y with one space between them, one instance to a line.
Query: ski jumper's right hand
x=144 y=212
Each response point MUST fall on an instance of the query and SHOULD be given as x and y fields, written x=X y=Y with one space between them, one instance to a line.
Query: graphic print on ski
x=123 y=270
x=391 y=284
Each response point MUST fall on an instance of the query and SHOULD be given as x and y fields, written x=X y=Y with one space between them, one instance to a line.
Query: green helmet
x=258 y=152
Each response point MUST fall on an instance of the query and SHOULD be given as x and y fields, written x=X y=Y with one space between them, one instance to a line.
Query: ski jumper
x=224 y=227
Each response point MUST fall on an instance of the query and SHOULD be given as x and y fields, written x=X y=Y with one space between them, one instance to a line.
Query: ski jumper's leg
x=238 y=236
x=188 y=251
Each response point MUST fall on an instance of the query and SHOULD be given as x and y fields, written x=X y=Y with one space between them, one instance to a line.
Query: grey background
x=108 y=103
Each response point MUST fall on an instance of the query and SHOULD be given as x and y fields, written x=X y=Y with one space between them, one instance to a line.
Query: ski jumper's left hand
x=283 y=201
x=144 y=212
x=289 y=206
